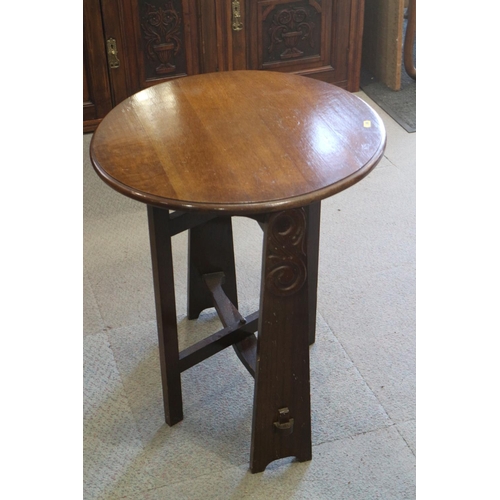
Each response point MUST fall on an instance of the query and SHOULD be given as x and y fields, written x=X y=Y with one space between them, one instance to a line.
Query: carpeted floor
x=362 y=365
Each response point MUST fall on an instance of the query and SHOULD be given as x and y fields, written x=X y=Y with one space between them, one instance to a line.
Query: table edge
x=243 y=207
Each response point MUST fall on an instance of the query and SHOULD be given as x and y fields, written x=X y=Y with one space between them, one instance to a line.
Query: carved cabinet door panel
x=256 y=34
x=161 y=41
x=291 y=35
x=317 y=38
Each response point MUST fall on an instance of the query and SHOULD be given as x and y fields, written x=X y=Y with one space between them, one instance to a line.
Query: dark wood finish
x=411 y=31
x=237 y=44
x=97 y=100
x=166 y=317
x=180 y=221
x=292 y=35
x=210 y=251
x=313 y=214
x=228 y=132
x=209 y=56
x=354 y=52
x=158 y=40
x=114 y=23
x=228 y=313
x=162 y=38
x=220 y=340
x=282 y=372
x=246 y=350
x=328 y=47
x=267 y=145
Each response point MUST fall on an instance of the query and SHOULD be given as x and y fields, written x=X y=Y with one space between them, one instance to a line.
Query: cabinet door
x=160 y=39
x=96 y=89
x=318 y=38
x=291 y=35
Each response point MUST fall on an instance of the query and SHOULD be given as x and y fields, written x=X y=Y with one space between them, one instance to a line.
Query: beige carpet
x=362 y=365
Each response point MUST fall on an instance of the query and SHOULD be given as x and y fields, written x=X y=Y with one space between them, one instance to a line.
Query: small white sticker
x=367 y=124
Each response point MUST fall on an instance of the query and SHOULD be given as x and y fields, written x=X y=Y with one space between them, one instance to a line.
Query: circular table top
x=237 y=142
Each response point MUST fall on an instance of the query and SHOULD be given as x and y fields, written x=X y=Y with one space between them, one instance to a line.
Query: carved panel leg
x=282 y=413
x=210 y=251
x=313 y=213
x=163 y=278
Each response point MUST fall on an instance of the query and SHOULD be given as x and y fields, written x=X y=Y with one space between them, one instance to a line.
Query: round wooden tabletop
x=237 y=142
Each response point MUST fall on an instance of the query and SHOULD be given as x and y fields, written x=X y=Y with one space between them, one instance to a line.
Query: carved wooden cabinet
x=97 y=100
x=132 y=44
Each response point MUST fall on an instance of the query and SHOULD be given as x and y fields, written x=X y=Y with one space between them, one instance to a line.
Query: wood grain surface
x=237 y=142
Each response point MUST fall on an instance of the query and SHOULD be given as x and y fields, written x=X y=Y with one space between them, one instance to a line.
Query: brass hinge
x=237 y=24
x=113 y=60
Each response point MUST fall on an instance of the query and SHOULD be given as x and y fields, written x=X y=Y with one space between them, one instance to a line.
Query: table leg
x=313 y=214
x=166 y=317
x=282 y=412
x=210 y=251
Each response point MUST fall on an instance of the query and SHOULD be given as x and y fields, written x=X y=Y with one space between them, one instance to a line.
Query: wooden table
x=259 y=144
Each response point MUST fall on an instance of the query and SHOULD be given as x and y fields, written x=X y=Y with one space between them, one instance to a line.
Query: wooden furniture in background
x=97 y=100
x=146 y=42
x=260 y=144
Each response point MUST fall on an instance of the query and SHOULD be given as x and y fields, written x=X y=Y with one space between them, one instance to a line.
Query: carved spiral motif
x=284 y=17
x=286 y=257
